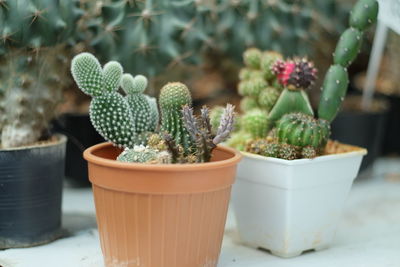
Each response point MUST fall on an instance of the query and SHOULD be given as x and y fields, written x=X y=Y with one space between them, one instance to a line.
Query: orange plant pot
x=161 y=215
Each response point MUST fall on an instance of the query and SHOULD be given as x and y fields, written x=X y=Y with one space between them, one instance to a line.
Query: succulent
x=34 y=36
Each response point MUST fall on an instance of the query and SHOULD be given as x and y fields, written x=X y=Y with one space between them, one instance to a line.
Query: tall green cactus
x=334 y=88
x=173 y=96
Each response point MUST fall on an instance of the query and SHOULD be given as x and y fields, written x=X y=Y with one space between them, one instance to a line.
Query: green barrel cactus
x=303 y=130
x=173 y=96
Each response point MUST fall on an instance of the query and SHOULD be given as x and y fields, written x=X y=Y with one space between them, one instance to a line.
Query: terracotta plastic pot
x=161 y=215
x=291 y=206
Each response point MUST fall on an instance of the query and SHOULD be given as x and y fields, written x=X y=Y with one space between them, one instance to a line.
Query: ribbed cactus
x=334 y=88
x=35 y=24
x=147 y=36
x=173 y=96
x=303 y=130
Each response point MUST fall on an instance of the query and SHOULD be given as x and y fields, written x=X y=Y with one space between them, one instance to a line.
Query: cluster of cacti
x=33 y=63
x=148 y=36
x=131 y=121
x=297 y=134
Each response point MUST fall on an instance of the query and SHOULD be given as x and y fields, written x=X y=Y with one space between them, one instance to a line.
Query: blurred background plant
x=33 y=63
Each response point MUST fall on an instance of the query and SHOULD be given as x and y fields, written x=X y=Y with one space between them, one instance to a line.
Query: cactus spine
x=334 y=88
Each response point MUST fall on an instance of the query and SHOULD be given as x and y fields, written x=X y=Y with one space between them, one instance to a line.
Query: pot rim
x=88 y=154
x=359 y=151
x=61 y=140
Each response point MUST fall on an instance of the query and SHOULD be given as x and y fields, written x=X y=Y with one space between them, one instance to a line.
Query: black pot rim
x=61 y=140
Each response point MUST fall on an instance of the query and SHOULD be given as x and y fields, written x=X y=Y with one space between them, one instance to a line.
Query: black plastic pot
x=81 y=135
x=364 y=129
x=391 y=143
x=30 y=194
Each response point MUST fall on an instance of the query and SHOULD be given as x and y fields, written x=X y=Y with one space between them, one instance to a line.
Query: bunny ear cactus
x=118 y=119
x=143 y=108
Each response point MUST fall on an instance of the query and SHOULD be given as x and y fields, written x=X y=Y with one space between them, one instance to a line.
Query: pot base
x=6 y=243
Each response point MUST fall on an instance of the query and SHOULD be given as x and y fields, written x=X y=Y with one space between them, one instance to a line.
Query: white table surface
x=368 y=234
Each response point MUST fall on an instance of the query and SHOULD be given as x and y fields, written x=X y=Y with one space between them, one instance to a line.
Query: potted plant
x=159 y=201
x=32 y=60
x=288 y=198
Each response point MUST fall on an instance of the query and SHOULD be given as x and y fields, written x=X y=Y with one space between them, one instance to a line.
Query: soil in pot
x=161 y=215
x=30 y=193
x=81 y=135
x=362 y=128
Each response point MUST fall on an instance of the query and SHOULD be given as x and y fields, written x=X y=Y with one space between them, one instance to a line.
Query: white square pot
x=292 y=206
